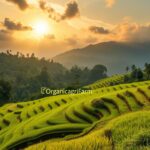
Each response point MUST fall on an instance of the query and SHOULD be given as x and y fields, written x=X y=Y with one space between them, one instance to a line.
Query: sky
x=51 y=27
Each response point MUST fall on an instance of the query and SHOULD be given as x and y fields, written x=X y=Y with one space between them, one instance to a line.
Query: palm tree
x=127 y=69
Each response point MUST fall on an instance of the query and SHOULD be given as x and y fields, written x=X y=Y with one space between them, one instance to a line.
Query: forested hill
x=23 y=76
x=26 y=74
x=12 y=65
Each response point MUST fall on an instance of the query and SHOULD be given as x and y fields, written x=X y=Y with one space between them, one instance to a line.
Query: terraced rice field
x=110 y=81
x=69 y=116
x=127 y=132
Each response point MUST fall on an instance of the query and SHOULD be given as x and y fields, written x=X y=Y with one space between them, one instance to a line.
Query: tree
x=5 y=90
x=134 y=74
x=75 y=76
x=98 y=72
x=44 y=77
x=52 y=61
x=85 y=76
x=133 y=68
x=127 y=69
x=140 y=74
x=27 y=55
x=126 y=79
x=147 y=70
x=32 y=55
x=137 y=74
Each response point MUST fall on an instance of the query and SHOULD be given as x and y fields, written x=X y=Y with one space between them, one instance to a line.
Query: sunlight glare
x=41 y=28
x=32 y=1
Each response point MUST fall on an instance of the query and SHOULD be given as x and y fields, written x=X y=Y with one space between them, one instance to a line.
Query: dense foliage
x=137 y=74
x=23 y=76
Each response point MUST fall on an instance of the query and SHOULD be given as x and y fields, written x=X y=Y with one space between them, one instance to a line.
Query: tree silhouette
x=98 y=72
x=5 y=90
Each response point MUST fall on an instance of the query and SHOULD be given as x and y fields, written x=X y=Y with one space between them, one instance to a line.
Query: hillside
x=116 y=56
x=22 y=76
x=114 y=80
x=12 y=65
x=73 y=116
x=125 y=136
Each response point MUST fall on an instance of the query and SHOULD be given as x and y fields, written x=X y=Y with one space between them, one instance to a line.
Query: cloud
x=83 y=22
x=10 y=25
x=51 y=12
x=50 y=36
x=98 y=30
x=71 y=41
x=132 y=32
x=110 y=3
x=5 y=35
x=42 y=5
x=22 y=4
x=142 y=35
x=91 y=40
x=71 y=10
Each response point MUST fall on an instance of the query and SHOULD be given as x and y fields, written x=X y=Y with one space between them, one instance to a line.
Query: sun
x=41 y=28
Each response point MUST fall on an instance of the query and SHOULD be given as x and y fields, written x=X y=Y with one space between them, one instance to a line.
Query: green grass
x=70 y=116
x=110 y=81
x=130 y=131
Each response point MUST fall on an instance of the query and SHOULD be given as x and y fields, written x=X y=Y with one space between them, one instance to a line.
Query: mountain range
x=116 y=56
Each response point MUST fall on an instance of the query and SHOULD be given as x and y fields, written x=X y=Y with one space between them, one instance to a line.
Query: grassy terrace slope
x=128 y=132
x=23 y=123
x=114 y=80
